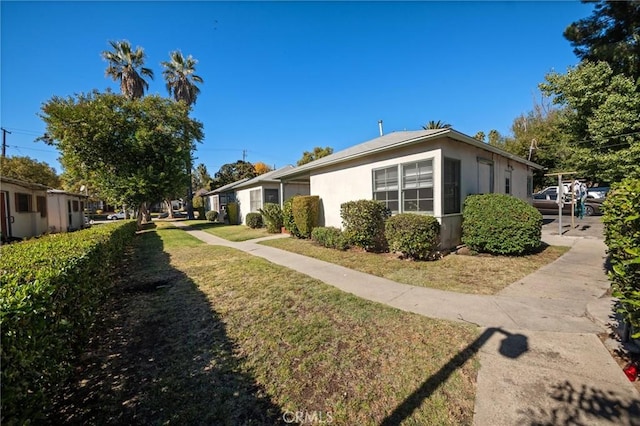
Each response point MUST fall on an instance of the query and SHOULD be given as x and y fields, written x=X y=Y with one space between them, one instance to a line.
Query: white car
x=116 y=216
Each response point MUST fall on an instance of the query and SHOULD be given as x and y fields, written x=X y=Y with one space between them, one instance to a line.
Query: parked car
x=597 y=192
x=545 y=202
x=116 y=216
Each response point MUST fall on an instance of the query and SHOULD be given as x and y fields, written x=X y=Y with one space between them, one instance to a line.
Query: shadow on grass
x=160 y=354
x=512 y=346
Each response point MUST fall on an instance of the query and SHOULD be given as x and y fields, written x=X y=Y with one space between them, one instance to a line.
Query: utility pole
x=4 y=141
x=244 y=154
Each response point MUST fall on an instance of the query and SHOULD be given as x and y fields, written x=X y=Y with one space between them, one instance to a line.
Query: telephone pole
x=4 y=141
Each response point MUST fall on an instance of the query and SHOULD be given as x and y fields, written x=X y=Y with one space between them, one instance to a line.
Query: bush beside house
x=500 y=224
x=363 y=223
x=233 y=212
x=272 y=217
x=329 y=237
x=415 y=236
x=305 y=210
x=254 y=220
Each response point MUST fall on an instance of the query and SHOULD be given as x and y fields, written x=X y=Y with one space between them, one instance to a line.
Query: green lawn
x=228 y=232
x=465 y=274
x=211 y=335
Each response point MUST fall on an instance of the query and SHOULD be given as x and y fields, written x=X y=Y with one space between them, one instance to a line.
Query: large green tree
x=611 y=34
x=233 y=172
x=600 y=116
x=318 y=152
x=127 y=66
x=179 y=74
x=200 y=177
x=131 y=151
x=29 y=170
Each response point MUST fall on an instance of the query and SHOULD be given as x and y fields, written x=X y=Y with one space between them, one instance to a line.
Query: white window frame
x=255 y=200
x=382 y=190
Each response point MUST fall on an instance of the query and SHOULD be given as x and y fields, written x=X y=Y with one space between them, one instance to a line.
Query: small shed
x=66 y=210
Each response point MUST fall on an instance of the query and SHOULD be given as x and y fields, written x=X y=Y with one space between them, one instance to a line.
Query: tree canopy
x=200 y=177
x=436 y=125
x=179 y=74
x=130 y=151
x=261 y=168
x=126 y=65
x=600 y=119
x=233 y=172
x=611 y=34
x=318 y=152
x=29 y=170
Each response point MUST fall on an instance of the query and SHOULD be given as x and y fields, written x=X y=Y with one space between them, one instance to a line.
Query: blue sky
x=283 y=77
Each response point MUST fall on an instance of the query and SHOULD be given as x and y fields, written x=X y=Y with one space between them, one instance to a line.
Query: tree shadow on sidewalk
x=584 y=405
x=160 y=353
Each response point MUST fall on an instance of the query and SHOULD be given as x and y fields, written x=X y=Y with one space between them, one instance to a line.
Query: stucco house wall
x=482 y=170
x=19 y=222
x=66 y=211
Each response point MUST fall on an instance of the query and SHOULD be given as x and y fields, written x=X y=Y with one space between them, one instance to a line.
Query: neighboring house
x=220 y=197
x=426 y=172
x=65 y=210
x=23 y=209
x=253 y=194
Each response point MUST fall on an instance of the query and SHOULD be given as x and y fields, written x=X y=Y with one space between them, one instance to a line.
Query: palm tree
x=124 y=64
x=180 y=77
x=436 y=125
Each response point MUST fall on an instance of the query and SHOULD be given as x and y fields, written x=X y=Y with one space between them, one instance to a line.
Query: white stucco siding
x=354 y=180
x=23 y=224
x=293 y=189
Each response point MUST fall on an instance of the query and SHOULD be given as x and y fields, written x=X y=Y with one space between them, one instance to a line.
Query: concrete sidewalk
x=563 y=374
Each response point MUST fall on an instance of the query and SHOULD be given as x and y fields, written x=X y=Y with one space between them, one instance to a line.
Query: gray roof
x=243 y=183
x=396 y=140
x=265 y=177
x=227 y=187
x=23 y=183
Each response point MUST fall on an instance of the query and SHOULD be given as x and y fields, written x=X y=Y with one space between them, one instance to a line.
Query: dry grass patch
x=210 y=335
x=465 y=274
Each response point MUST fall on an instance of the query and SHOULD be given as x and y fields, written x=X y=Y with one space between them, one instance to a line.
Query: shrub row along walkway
x=541 y=360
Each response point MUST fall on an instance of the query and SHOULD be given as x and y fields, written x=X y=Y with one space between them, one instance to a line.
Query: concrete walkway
x=558 y=372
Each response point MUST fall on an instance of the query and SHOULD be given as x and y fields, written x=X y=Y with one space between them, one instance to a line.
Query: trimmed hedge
x=622 y=236
x=233 y=213
x=288 y=220
x=329 y=237
x=415 y=236
x=500 y=224
x=50 y=289
x=272 y=217
x=306 y=209
x=363 y=223
x=254 y=220
x=212 y=215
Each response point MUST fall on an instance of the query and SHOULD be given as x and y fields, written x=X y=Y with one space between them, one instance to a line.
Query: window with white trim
x=255 y=200
x=417 y=187
x=385 y=187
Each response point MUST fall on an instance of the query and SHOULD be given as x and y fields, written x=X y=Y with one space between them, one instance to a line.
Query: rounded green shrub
x=233 y=211
x=306 y=209
x=212 y=215
x=329 y=237
x=363 y=223
x=500 y=224
x=272 y=217
x=254 y=220
x=622 y=236
x=288 y=220
x=415 y=236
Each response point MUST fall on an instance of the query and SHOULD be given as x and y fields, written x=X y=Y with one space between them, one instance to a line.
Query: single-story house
x=65 y=210
x=426 y=172
x=253 y=194
x=23 y=209
x=220 y=197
